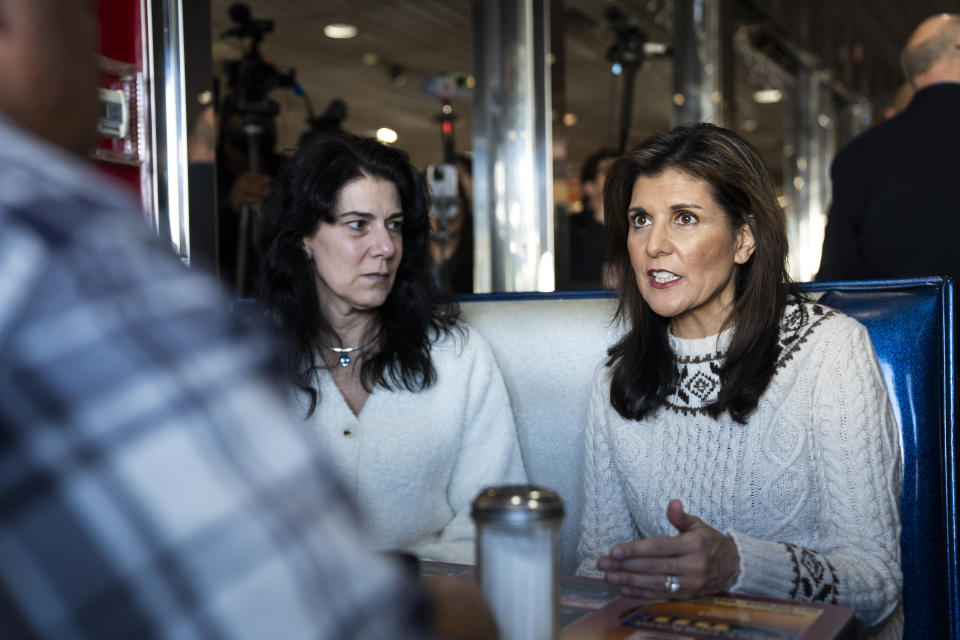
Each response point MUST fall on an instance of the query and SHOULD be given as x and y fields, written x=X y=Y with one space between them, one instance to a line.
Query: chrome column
x=170 y=125
x=811 y=145
x=513 y=184
x=180 y=68
x=698 y=49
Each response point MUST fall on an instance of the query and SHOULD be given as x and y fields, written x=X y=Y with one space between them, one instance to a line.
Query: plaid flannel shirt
x=152 y=483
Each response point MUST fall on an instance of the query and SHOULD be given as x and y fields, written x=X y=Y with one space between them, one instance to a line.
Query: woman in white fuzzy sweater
x=740 y=437
x=408 y=400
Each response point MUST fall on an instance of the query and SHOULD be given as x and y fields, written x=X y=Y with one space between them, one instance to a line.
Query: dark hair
x=644 y=371
x=414 y=313
x=591 y=166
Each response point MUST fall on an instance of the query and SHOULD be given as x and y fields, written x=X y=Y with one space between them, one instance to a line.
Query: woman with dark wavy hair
x=740 y=437
x=409 y=401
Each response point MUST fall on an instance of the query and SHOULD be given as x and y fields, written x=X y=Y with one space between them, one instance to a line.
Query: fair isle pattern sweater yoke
x=808 y=489
x=698 y=377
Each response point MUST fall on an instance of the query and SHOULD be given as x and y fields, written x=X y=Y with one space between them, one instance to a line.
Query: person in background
x=154 y=483
x=894 y=206
x=451 y=239
x=587 y=241
x=407 y=399
x=739 y=437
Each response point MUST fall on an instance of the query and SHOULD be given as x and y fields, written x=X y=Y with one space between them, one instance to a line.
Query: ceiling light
x=767 y=96
x=369 y=59
x=387 y=136
x=340 y=31
x=569 y=119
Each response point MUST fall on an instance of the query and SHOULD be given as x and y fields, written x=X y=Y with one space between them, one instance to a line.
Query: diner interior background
x=385 y=74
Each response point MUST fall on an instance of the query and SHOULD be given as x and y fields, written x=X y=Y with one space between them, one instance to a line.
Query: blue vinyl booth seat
x=911 y=326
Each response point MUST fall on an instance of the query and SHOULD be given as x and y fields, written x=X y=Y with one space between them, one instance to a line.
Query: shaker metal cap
x=517 y=504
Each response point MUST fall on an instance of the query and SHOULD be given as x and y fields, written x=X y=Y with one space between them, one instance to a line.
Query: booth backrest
x=548 y=347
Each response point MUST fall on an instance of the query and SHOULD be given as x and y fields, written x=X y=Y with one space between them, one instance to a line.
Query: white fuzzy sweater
x=414 y=462
x=808 y=489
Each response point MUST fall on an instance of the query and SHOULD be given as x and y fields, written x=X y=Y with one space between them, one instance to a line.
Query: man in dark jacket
x=896 y=188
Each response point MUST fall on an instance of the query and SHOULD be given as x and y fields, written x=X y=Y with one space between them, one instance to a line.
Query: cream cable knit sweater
x=808 y=489
x=414 y=462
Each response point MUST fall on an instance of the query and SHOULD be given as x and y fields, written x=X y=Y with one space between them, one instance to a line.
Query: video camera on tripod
x=628 y=46
x=628 y=51
x=250 y=80
x=252 y=77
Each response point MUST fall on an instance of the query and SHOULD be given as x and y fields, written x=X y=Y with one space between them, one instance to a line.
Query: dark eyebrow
x=366 y=214
x=675 y=207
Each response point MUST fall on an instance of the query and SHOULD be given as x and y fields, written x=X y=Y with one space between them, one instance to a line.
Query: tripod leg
x=242 y=242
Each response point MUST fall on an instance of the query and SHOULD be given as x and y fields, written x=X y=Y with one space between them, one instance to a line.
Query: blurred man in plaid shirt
x=151 y=482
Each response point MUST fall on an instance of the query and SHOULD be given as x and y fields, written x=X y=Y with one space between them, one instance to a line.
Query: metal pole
x=513 y=184
x=170 y=125
x=811 y=135
x=626 y=104
x=697 y=66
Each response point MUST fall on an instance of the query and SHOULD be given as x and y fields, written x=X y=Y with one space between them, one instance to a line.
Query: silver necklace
x=344 y=353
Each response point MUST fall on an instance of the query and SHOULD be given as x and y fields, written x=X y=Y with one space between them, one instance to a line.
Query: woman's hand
x=702 y=560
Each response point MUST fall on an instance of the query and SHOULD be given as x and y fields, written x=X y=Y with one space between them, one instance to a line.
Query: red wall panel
x=121 y=40
x=120 y=31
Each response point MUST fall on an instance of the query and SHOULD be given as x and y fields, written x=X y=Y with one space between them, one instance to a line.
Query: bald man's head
x=932 y=53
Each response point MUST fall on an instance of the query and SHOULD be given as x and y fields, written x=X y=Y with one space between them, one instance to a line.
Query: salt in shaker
x=518 y=558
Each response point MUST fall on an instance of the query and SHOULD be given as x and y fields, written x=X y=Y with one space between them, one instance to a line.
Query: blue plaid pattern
x=152 y=482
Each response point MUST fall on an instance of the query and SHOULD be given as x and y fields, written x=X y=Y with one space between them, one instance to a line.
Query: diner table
x=590 y=609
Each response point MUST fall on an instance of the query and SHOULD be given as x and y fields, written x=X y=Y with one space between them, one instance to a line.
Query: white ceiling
x=858 y=39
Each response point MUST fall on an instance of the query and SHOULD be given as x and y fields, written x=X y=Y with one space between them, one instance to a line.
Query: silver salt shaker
x=518 y=558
